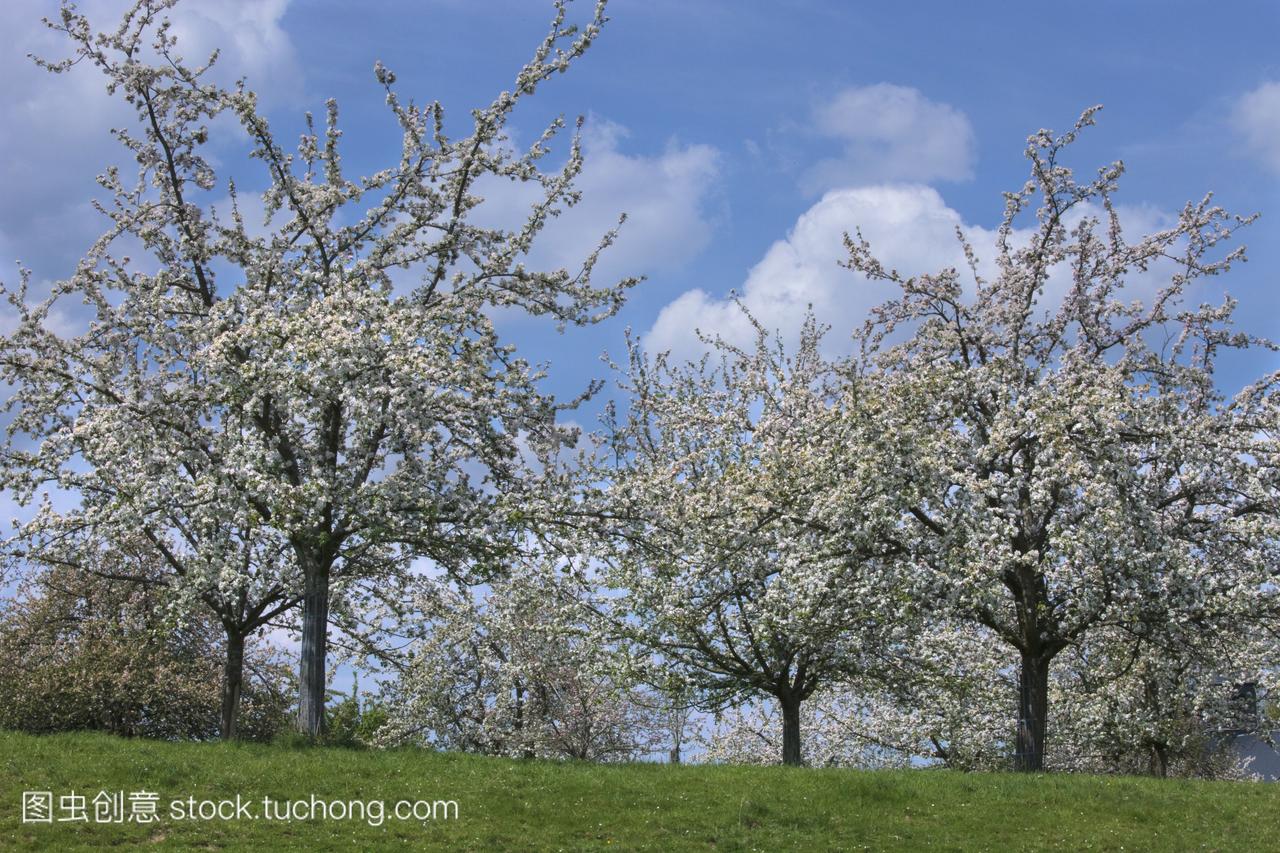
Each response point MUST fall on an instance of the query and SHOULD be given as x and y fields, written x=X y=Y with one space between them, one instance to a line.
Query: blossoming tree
x=514 y=669
x=333 y=386
x=747 y=533
x=1075 y=462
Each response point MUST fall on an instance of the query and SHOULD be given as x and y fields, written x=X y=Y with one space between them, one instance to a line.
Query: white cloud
x=666 y=199
x=890 y=133
x=57 y=125
x=1256 y=118
x=910 y=229
x=251 y=41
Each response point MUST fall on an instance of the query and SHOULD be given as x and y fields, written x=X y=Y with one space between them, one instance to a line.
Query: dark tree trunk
x=1159 y=760
x=790 y=730
x=526 y=750
x=232 y=682
x=311 y=671
x=1033 y=711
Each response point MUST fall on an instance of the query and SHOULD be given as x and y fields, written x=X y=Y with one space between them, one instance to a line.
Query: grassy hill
x=529 y=805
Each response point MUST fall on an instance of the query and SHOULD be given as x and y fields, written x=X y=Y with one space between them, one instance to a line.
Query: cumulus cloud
x=909 y=226
x=890 y=134
x=910 y=229
x=56 y=136
x=1256 y=118
x=250 y=38
x=667 y=199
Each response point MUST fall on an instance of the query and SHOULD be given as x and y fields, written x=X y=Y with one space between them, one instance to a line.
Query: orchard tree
x=943 y=705
x=96 y=647
x=515 y=670
x=1164 y=706
x=254 y=586
x=1074 y=459
x=746 y=526
x=940 y=705
x=752 y=733
x=282 y=384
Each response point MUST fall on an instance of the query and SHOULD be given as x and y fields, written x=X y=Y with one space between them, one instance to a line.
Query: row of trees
x=1032 y=459
x=1023 y=492
x=1020 y=517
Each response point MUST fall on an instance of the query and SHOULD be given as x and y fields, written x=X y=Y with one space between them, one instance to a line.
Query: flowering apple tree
x=1076 y=470
x=321 y=402
x=747 y=532
x=514 y=669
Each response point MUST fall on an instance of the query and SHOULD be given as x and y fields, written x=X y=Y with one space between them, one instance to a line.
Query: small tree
x=939 y=705
x=283 y=385
x=355 y=720
x=255 y=586
x=1074 y=461
x=515 y=671
x=1163 y=706
x=745 y=527
x=81 y=651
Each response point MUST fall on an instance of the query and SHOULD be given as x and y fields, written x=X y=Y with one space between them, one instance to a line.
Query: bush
x=81 y=652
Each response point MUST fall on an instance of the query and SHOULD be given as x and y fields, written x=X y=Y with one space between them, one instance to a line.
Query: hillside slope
x=529 y=805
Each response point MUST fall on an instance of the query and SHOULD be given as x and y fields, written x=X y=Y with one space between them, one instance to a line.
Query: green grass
x=530 y=805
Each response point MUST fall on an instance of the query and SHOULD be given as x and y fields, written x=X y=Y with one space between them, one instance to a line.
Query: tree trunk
x=790 y=730
x=311 y=671
x=526 y=747
x=1159 y=760
x=1033 y=711
x=232 y=682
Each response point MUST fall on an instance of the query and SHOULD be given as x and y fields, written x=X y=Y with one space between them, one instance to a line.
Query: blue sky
x=742 y=137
